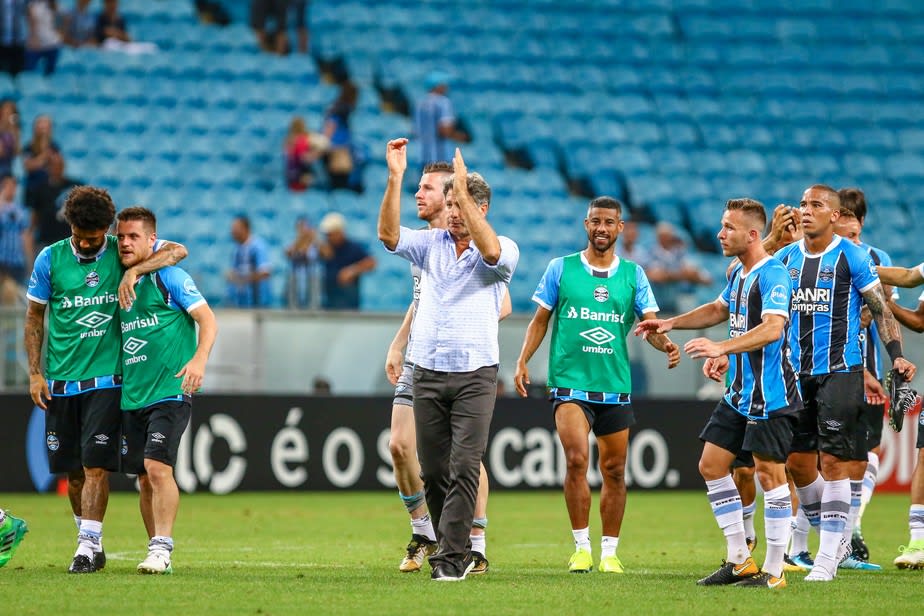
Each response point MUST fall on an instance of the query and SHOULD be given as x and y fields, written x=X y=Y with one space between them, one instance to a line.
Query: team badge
x=51 y=441
x=793 y=273
x=92 y=279
x=601 y=294
x=826 y=274
x=124 y=446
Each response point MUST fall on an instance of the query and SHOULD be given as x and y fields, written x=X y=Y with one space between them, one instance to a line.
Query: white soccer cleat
x=819 y=574
x=158 y=561
x=910 y=557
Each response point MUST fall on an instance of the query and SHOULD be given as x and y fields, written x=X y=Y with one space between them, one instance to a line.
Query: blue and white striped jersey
x=826 y=300
x=762 y=381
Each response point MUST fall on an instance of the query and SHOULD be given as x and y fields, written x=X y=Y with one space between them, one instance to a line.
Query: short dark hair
x=137 y=212
x=751 y=207
x=828 y=189
x=610 y=203
x=89 y=208
x=853 y=203
x=478 y=188
x=439 y=166
x=244 y=220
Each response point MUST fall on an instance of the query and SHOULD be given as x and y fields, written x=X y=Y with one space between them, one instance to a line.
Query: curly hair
x=89 y=208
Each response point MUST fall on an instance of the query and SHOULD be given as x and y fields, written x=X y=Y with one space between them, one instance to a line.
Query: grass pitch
x=332 y=553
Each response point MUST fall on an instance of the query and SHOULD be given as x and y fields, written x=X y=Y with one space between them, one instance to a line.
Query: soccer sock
x=869 y=484
x=581 y=538
x=747 y=516
x=777 y=526
x=478 y=544
x=88 y=539
x=916 y=522
x=726 y=507
x=608 y=546
x=423 y=526
x=414 y=501
x=856 y=493
x=2 y=518
x=835 y=505
x=810 y=501
x=159 y=542
x=77 y=520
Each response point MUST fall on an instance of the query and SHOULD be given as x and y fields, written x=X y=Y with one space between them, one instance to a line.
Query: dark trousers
x=12 y=59
x=452 y=411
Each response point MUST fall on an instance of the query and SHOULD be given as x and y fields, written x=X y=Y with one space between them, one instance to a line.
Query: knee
x=95 y=474
x=613 y=470
x=158 y=473
x=710 y=471
x=75 y=479
x=401 y=449
x=576 y=463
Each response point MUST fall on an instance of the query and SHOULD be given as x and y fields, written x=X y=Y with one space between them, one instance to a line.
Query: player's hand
x=192 y=373
x=702 y=347
x=873 y=390
x=521 y=379
x=394 y=364
x=866 y=317
x=653 y=326
x=396 y=156
x=673 y=354
x=715 y=368
x=459 y=174
x=38 y=389
x=127 y=289
x=904 y=366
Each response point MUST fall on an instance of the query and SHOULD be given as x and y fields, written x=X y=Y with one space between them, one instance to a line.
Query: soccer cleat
x=158 y=561
x=852 y=562
x=791 y=566
x=858 y=546
x=902 y=398
x=481 y=563
x=764 y=580
x=611 y=564
x=819 y=574
x=442 y=572
x=752 y=543
x=581 y=562
x=11 y=534
x=82 y=564
x=910 y=557
x=99 y=559
x=417 y=550
x=730 y=573
x=804 y=560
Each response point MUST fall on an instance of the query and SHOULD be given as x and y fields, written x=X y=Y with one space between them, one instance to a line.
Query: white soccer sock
x=916 y=522
x=479 y=544
x=608 y=546
x=777 y=526
x=77 y=520
x=423 y=526
x=581 y=538
x=89 y=537
x=835 y=506
x=869 y=484
x=810 y=501
x=726 y=507
x=747 y=516
x=856 y=492
x=800 y=531
x=160 y=542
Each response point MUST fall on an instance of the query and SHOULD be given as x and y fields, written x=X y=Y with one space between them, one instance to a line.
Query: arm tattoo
x=888 y=326
x=658 y=341
x=33 y=338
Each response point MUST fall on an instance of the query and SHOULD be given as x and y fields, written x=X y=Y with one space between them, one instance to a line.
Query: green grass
x=308 y=553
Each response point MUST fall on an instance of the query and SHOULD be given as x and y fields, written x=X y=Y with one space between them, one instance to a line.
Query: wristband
x=894 y=349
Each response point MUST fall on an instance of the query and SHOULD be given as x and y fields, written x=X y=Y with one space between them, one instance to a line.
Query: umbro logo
x=133 y=345
x=597 y=335
x=101 y=439
x=157 y=437
x=94 y=319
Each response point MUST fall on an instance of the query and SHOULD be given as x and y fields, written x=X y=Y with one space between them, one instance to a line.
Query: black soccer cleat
x=731 y=573
x=82 y=564
x=858 y=546
x=99 y=559
x=481 y=563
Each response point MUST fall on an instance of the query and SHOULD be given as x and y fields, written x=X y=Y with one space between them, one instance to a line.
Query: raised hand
x=396 y=155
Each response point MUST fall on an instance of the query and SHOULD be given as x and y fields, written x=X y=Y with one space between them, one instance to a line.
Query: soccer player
x=162 y=366
x=762 y=401
x=592 y=298
x=831 y=279
x=77 y=280
x=902 y=276
x=431 y=207
x=863 y=474
x=912 y=555
x=12 y=530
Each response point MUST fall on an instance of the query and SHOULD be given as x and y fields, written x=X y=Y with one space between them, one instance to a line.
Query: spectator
x=339 y=158
x=300 y=7
x=9 y=135
x=250 y=268
x=44 y=42
x=321 y=386
x=344 y=262
x=302 y=149
x=16 y=247
x=47 y=204
x=13 y=30
x=303 y=289
x=110 y=25
x=78 y=26
x=276 y=41
x=38 y=152
x=628 y=247
x=435 y=121
x=670 y=270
